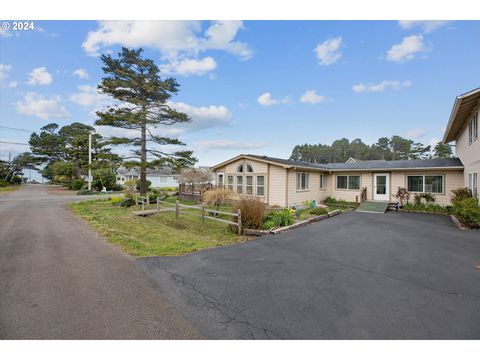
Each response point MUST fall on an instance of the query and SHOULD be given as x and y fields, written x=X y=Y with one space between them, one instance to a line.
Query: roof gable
x=462 y=109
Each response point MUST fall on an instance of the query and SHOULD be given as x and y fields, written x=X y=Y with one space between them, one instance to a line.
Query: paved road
x=59 y=280
x=355 y=276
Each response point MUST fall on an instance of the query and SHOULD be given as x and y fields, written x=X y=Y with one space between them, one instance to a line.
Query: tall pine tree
x=142 y=105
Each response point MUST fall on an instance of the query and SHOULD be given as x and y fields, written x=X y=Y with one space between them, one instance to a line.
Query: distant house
x=159 y=177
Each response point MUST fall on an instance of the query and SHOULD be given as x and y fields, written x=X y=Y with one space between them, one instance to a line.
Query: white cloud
x=5 y=71
x=12 y=84
x=228 y=145
x=311 y=97
x=203 y=117
x=328 y=52
x=89 y=96
x=43 y=107
x=81 y=73
x=433 y=142
x=426 y=25
x=179 y=42
x=382 y=86
x=266 y=99
x=189 y=66
x=416 y=133
x=40 y=76
x=407 y=49
x=4 y=33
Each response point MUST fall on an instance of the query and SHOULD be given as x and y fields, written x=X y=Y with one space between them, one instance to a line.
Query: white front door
x=381 y=186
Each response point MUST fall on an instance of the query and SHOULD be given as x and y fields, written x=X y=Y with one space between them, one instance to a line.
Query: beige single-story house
x=288 y=183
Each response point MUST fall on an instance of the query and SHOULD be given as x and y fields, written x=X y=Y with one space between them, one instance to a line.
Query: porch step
x=377 y=207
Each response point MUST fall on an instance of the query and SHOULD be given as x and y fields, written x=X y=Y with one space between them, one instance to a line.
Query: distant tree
x=69 y=144
x=442 y=151
x=13 y=169
x=419 y=151
x=194 y=177
x=142 y=105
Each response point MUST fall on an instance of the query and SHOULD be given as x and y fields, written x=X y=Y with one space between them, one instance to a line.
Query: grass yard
x=154 y=235
x=9 y=188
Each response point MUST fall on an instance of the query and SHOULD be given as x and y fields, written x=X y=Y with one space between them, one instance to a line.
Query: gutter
x=400 y=169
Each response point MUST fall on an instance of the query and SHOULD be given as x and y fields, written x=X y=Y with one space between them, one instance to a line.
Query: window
x=322 y=181
x=249 y=168
x=473 y=128
x=249 y=185
x=415 y=183
x=162 y=179
x=302 y=181
x=342 y=182
x=260 y=185
x=472 y=184
x=348 y=182
x=354 y=182
x=230 y=182
x=240 y=168
x=220 y=180
x=425 y=183
x=434 y=184
x=239 y=184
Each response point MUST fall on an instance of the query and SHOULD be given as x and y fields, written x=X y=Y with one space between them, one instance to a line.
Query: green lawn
x=155 y=235
x=9 y=188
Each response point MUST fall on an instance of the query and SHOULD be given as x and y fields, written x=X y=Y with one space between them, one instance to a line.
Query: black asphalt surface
x=354 y=276
x=60 y=280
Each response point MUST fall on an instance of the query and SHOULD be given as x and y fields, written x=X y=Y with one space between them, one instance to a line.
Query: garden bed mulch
x=293 y=226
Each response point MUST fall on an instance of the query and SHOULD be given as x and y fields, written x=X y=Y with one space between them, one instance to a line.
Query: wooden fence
x=193 y=192
x=204 y=213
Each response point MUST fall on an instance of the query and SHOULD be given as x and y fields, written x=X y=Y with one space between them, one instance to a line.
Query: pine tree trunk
x=143 y=161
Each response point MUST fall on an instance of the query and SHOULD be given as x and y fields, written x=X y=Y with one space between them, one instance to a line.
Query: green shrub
x=319 y=211
x=137 y=185
x=116 y=200
x=278 y=219
x=4 y=183
x=468 y=211
x=330 y=200
x=127 y=202
x=460 y=194
x=85 y=192
x=252 y=211
x=77 y=184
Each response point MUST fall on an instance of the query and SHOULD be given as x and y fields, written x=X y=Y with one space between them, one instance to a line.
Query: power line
x=18 y=129
x=13 y=143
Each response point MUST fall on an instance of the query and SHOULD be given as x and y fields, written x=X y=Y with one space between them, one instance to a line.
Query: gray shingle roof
x=370 y=164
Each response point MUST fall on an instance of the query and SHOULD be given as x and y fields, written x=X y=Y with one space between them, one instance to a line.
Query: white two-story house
x=462 y=128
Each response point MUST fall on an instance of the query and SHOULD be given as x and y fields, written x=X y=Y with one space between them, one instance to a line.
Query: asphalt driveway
x=60 y=280
x=355 y=276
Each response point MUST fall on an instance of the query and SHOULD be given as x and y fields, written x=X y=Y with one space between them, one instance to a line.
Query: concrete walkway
x=59 y=280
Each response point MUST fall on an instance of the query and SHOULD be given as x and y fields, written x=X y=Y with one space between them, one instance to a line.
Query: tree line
x=393 y=148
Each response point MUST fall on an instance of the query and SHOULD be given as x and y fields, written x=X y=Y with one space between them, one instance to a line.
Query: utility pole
x=89 y=161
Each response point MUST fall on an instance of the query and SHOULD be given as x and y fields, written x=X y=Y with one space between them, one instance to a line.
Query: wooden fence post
x=136 y=199
x=239 y=222
x=203 y=212
x=148 y=199
x=158 y=203
x=177 y=209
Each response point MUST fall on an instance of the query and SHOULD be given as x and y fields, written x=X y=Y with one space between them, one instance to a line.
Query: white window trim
x=323 y=180
x=423 y=183
x=299 y=189
x=348 y=183
x=262 y=186
x=473 y=128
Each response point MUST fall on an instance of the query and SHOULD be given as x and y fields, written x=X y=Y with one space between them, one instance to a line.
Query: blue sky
x=250 y=87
